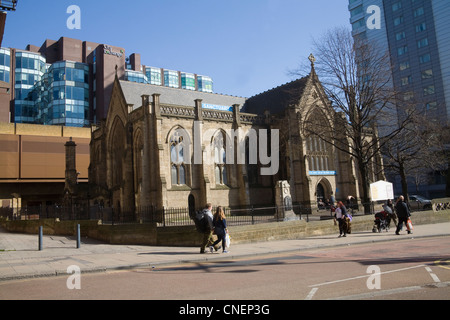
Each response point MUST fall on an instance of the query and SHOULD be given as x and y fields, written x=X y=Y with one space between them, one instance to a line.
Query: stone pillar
x=145 y=198
x=159 y=166
x=156 y=110
x=71 y=168
x=201 y=177
x=283 y=202
x=198 y=110
x=127 y=196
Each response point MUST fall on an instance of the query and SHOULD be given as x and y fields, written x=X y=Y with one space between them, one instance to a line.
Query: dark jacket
x=402 y=209
x=220 y=226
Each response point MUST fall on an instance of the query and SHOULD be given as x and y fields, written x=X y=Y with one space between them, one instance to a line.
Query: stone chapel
x=176 y=148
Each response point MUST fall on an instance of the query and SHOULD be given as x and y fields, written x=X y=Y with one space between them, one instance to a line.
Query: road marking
x=364 y=276
x=443 y=264
x=435 y=278
x=378 y=293
x=384 y=293
x=311 y=294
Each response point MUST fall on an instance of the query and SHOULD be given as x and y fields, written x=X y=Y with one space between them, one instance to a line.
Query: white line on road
x=311 y=294
x=384 y=293
x=364 y=276
x=435 y=278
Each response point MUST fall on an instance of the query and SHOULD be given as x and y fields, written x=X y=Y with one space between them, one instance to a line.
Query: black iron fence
x=164 y=217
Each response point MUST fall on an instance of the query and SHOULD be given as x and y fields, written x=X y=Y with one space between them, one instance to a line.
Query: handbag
x=227 y=240
x=409 y=225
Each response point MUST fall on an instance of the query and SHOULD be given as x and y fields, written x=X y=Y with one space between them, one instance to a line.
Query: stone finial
x=312 y=59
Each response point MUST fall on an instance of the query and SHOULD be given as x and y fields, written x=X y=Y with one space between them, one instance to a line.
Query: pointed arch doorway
x=320 y=192
x=191 y=204
x=323 y=193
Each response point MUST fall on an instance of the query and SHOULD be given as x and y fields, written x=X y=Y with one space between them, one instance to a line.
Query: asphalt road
x=410 y=269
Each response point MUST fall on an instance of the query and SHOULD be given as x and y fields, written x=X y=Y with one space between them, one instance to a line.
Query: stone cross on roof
x=312 y=59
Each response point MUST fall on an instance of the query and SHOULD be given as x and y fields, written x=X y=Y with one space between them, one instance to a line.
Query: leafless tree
x=356 y=76
x=418 y=148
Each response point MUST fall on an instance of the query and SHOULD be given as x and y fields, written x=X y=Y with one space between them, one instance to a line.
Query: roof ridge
x=282 y=85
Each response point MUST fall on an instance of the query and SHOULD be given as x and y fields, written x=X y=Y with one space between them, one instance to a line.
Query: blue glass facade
x=154 y=75
x=5 y=65
x=187 y=81
x=29 y=69
x=416 y=34
x=170 y=78
x=135 y=76
x=56 y=94
x=205 y=84
x=68 y=90
x=48 y=87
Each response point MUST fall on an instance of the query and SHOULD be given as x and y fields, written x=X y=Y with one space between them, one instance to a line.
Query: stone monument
x=284 y=202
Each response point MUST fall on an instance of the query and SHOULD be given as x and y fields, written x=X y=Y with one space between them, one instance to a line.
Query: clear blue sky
x=246 y=46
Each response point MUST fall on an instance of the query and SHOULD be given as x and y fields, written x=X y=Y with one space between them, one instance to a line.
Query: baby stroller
x=382 y=221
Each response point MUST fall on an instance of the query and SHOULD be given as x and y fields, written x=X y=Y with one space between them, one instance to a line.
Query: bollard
x=78 y=237
x=40 y=238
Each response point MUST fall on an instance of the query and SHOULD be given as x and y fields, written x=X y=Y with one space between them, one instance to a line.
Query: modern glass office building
x=5 y=64
x=154 y=75
x=68 y=95
x=68 y=82
x=205 y=84
x=417 y=35
x=136 y=76
x=29 y=69
x=56 y=94
x=171 y=79
x=188 y=81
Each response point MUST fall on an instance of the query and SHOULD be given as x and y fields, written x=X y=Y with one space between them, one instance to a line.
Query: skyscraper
x=417 y=35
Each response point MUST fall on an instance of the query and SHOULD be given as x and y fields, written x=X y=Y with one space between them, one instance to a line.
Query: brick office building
x=68 y=82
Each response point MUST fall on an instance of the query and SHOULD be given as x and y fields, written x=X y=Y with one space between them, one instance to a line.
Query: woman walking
x=220 y=228
x=339 y=215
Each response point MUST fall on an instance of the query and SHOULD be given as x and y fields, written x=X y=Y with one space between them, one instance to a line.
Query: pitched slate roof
x=277 y=99
x=173 y=96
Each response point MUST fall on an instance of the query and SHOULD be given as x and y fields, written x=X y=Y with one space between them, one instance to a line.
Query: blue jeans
x=220 y=237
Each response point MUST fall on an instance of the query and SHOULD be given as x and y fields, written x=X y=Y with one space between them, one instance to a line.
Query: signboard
x=109 y=50
x=216 y=107
x=381 y=190
x=322 y=173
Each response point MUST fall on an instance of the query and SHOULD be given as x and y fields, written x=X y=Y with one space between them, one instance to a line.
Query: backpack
x=201 y=222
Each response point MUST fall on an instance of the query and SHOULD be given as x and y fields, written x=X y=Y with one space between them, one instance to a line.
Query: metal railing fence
x=164 y=217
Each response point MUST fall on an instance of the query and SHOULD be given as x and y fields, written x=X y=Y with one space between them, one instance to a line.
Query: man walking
x=402 y=213
x=208 y=239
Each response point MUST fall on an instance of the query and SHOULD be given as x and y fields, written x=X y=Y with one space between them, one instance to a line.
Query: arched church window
x=220 y=159
x=177 y=162
x=318 y=154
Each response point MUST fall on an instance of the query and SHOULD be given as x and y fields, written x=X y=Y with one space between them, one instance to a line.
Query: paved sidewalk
x=20 y=257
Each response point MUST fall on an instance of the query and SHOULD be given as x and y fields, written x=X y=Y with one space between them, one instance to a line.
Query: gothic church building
x=176 y=148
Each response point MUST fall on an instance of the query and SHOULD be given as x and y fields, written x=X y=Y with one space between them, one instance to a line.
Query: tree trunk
x=404 y=181
x=365 y=187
